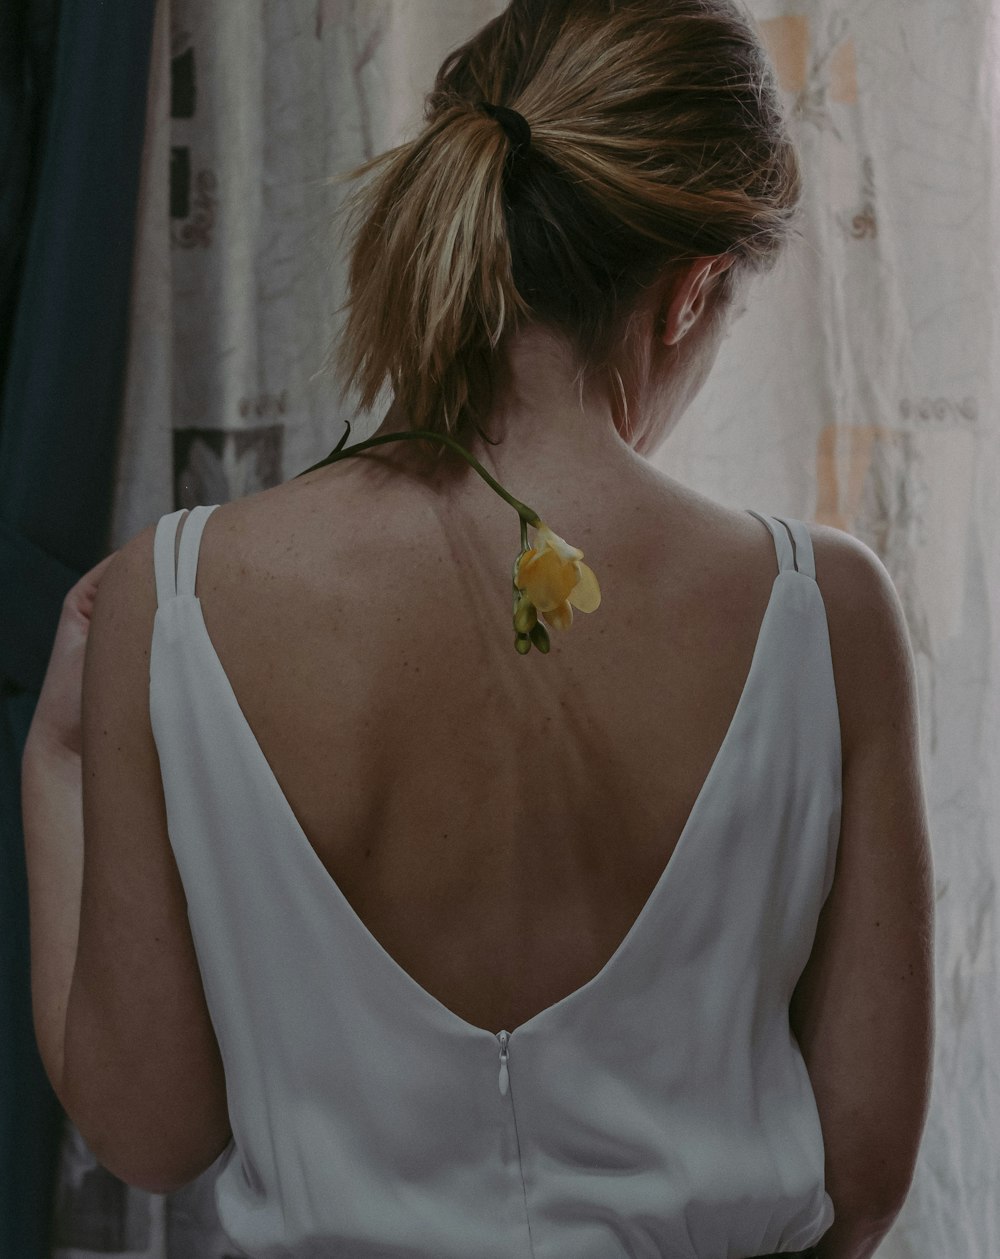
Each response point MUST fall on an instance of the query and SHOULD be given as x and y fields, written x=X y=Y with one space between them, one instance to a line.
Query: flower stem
x=528 y=516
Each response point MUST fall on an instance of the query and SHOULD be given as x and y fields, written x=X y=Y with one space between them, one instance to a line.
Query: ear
x=687 y=304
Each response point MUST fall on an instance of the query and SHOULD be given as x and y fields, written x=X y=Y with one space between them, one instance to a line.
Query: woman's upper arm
x=863 y=1010
x=144 y=1079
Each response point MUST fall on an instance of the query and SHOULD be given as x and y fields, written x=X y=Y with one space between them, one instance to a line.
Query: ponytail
x=657 y=137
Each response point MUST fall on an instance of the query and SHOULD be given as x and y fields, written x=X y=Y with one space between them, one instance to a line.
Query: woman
x=588 y=949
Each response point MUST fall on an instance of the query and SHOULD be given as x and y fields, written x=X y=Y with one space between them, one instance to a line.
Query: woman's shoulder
x=285 y=520
x=656 y=522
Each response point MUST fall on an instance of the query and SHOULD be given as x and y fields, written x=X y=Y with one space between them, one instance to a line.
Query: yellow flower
x=554 y=579
x=548 y=578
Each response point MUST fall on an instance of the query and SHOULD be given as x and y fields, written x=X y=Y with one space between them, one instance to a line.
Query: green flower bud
x=522 y=644
x=539 y=636
x=525 y=615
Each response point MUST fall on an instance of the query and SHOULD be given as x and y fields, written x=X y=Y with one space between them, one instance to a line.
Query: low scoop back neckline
x=664 y=882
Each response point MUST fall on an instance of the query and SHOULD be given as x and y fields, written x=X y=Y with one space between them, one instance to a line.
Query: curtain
x=859 y=389
x=72 y=103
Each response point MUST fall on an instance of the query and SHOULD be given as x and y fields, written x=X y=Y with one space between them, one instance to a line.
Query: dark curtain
x=73 y=85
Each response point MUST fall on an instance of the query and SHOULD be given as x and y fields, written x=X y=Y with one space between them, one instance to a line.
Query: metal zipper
x=503 y=1038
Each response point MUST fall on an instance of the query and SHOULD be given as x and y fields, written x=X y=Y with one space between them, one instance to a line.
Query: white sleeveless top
x=661 y=1109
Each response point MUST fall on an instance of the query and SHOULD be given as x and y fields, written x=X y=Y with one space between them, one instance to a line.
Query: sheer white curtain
x=859 y=389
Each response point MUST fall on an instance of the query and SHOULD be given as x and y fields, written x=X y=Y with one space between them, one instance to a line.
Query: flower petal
x=560 y=617
x=523 y=558
x=547 y=579
x=561 y=547
x=586 y=594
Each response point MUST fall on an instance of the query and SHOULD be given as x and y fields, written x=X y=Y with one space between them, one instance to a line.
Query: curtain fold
x=72 y=120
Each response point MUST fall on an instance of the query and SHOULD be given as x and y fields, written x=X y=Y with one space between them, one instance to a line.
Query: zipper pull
x=503 y=1037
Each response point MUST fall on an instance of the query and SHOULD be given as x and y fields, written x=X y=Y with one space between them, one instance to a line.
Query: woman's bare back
x=497 y=822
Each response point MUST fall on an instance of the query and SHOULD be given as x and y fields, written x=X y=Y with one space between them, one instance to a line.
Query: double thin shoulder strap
x=180 y=581
x=792 y=543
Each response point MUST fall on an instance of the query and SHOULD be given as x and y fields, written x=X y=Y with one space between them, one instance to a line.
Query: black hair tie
x=516 y=126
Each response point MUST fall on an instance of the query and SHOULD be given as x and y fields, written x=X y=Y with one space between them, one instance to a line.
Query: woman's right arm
x=850 y=1238
x=863 y=1009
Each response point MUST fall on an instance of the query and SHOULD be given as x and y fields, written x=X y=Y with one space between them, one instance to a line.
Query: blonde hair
x=657 y=136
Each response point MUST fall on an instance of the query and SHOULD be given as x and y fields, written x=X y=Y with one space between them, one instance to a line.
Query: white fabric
x=860 y=389
x=663 y=1108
